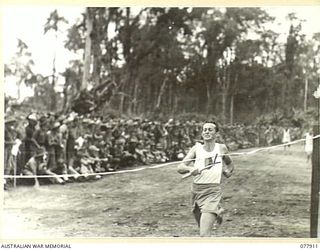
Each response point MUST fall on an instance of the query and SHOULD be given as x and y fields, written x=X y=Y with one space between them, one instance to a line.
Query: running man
x=209 y=165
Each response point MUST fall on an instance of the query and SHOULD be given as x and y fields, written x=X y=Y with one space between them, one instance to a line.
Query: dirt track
x=268 y=196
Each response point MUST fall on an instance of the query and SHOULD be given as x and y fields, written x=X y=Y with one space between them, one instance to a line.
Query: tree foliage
x=220 y=62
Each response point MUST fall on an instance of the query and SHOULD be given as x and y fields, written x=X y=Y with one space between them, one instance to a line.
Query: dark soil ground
x=268 y=196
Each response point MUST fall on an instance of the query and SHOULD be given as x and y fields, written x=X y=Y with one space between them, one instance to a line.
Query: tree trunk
x=53 y=84
x=87 y=52
x=233 y=91
x=65 y=95
x=121 y=103
x=225 y=91
x=96 y=68
x=208 y=97
x=175 y=104
x=131 y=96
x=162 y=89
x=305 y=95
x=130 y=85
x=19 y=90
x=170 y=102
x=231 y=109
x=224 y=103
x=135 y=96
x=99 y=36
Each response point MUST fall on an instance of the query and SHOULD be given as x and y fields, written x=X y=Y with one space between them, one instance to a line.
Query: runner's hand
x=194 y=171
x=183 y=169
x=191 y=172
x=227 y=173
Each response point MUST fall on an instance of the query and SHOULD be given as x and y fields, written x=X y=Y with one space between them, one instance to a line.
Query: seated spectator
x=141 y=153
x=94 y=159
x=83 y=164
x=160 y=154
x=37 y=165
x=104 y=153
x=150 y=158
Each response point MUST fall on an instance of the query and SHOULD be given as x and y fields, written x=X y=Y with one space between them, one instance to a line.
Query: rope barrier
x=91 y=174
x=155 y=166
x=271 y=147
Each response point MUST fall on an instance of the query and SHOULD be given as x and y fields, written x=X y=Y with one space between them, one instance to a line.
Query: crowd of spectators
x=81 y=147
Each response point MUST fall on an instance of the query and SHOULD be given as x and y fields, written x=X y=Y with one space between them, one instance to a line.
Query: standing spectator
x=70 y=145
x=63 y=130
x=286 y=138
x=30 y=143
x=9 y=142
x=40 y=135
x=269 y=133
x=308 y=148
x=55 y=149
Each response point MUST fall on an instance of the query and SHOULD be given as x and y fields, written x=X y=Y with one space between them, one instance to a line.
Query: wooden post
x=314 y=209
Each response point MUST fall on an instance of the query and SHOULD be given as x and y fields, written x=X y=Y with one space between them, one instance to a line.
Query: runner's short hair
x=213 y=122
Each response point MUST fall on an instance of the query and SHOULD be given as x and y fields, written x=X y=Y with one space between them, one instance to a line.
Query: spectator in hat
x=30 y=143
x=117 y=152
x=106 y=132
x=37 y=165
x=63 y=130
x=129 y=157
x=50 y=117
x=40 y=134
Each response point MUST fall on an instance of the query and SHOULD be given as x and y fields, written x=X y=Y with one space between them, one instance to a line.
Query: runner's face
x=208 y=131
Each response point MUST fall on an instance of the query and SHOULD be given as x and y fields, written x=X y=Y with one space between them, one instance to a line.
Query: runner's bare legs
x=197 y=215
x=206 y=223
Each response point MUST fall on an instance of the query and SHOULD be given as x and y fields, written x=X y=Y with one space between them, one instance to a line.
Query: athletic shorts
x=207 y=197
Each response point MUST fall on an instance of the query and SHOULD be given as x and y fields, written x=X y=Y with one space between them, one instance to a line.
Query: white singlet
x=203 y=158
x=286 y=136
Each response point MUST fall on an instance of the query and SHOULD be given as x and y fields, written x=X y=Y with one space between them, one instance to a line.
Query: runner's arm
x=228 y=163
x=183 y=167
